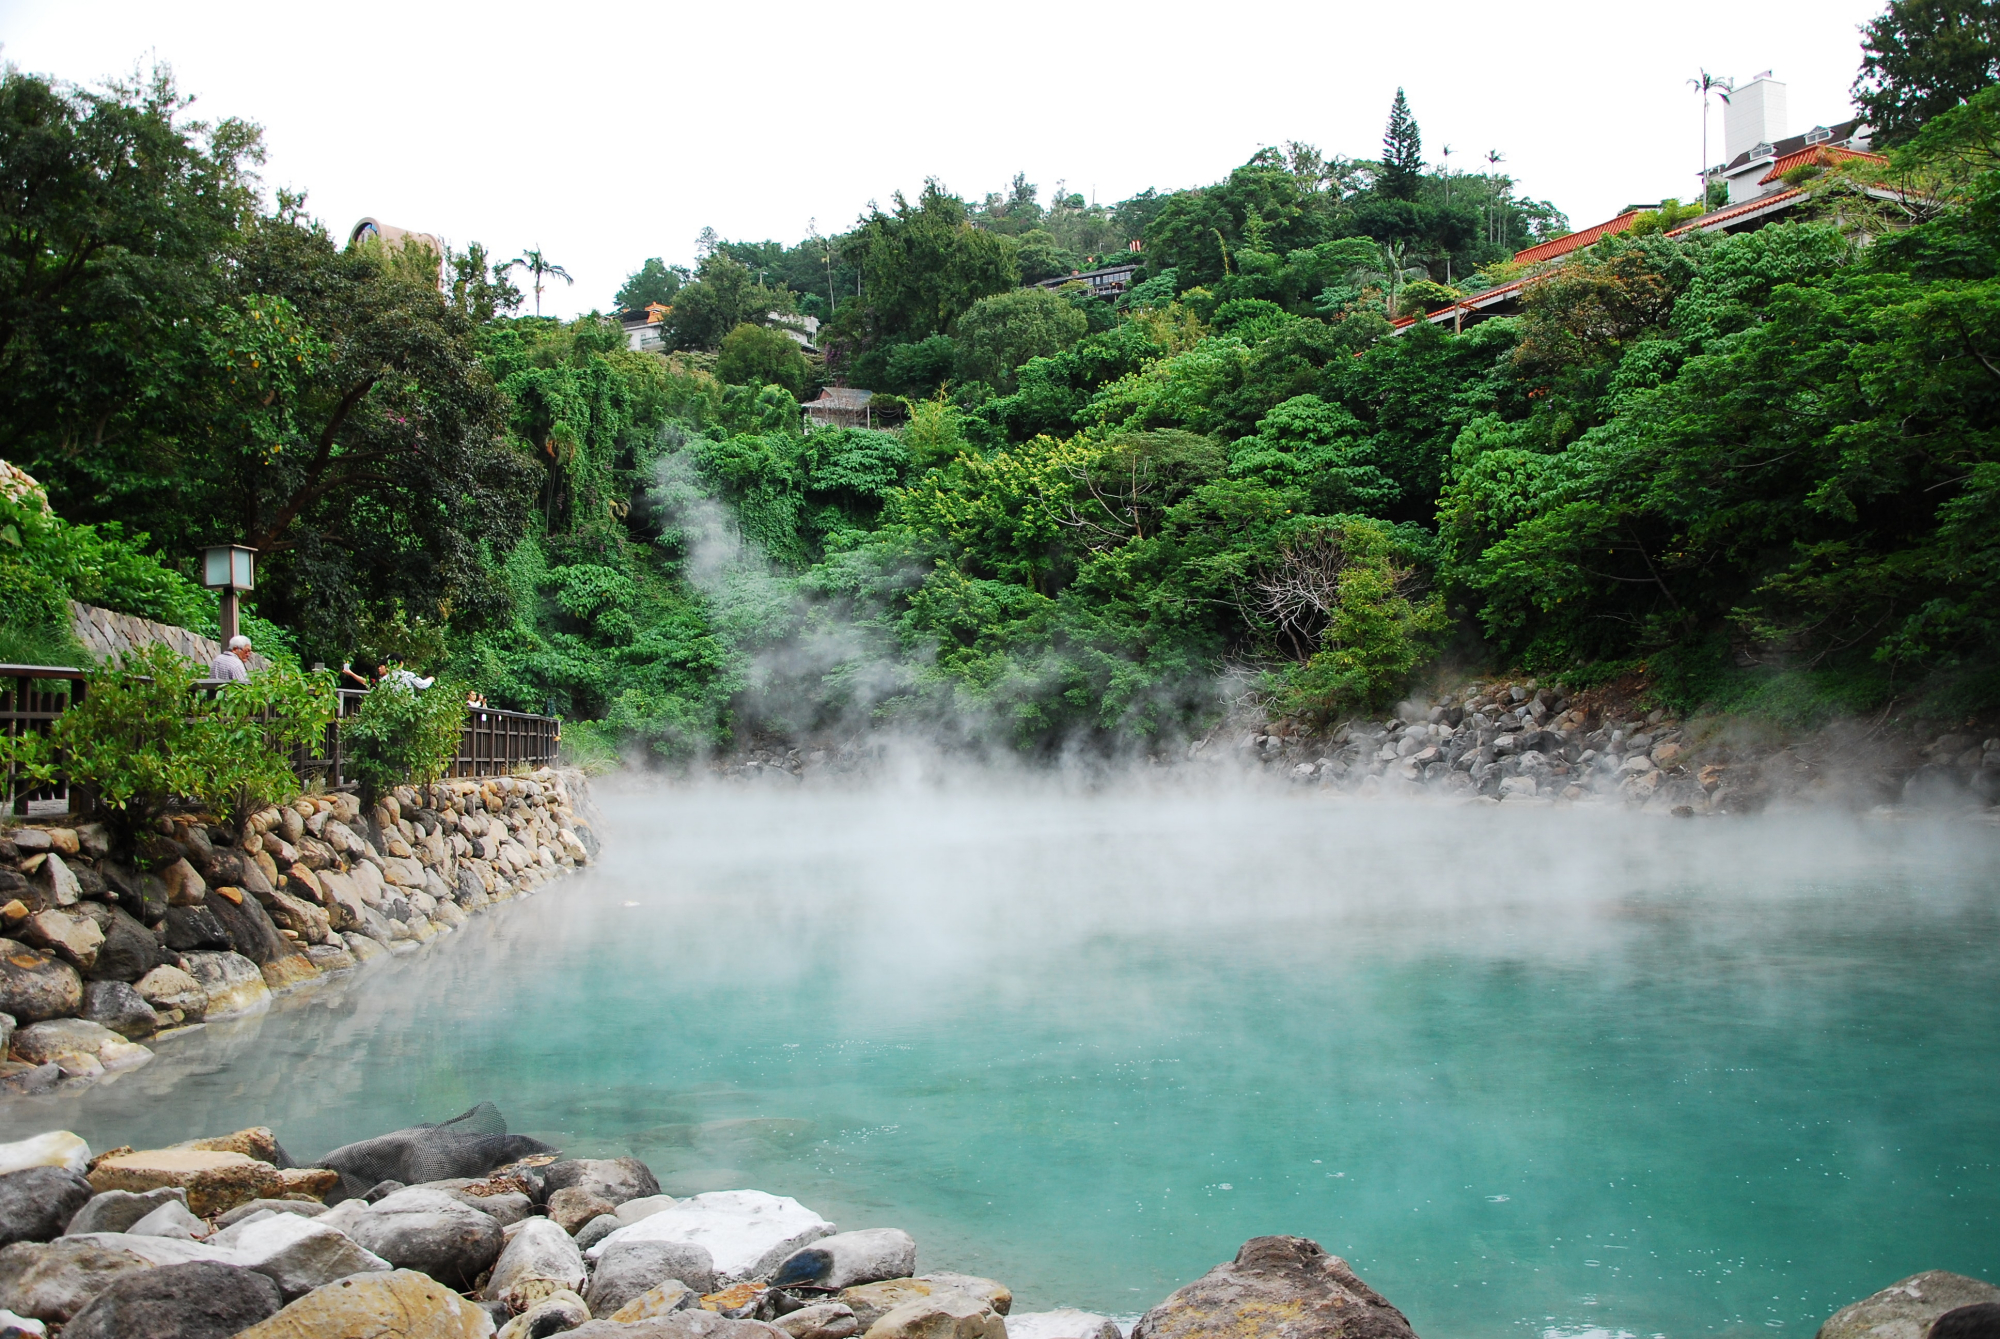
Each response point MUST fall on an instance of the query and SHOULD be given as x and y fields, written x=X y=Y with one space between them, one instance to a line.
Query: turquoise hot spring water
x=1561 y=1073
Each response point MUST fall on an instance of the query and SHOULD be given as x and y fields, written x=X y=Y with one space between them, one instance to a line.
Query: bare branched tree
x=1299 y=593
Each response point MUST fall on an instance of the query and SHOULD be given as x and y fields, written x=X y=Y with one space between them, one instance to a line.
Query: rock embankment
x=1526 y=742
x=103 y=952
x=224 y=1236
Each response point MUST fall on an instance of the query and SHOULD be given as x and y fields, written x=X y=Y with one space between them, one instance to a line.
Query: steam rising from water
x=1544 y=1069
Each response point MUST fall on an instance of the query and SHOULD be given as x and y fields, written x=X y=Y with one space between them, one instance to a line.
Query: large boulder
x=612 y=1179
x=635 y=1267
x=472 y=1144
x=746 y=1232
x=401 y=1304
x=37 y=1203
x=943 y=1315
x=192 y=1301
x=69 y=931
x=847 y=1258
x=53 y=1281
x=231 y=981
x=539 y=1261
x=432 y=1232
x=1280 y=1287
x=35 y=984
x=215 y=1181
x=1905 y=1309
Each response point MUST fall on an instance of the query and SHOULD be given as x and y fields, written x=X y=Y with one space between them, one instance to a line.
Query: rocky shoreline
x=1523 y=742
x=105 y=954
x=460 y=1230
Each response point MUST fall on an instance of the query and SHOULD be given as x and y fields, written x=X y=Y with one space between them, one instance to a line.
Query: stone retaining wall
x=102 y=951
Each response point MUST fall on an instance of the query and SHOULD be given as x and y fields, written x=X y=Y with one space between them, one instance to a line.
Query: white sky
x=609 y=132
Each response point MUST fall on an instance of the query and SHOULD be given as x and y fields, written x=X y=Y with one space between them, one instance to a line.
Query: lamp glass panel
x=215 y=567
x=242 y=569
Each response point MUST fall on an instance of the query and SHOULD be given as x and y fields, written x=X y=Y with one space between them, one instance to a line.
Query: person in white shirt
x=234 y=663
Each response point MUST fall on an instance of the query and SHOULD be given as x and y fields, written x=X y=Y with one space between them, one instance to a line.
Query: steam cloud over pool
x=1563 y=1070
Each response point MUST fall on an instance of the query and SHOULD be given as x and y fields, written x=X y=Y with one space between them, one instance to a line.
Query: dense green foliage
x=141 y=737
x=1746 y=462
x=1921 y=58
x=400 y=735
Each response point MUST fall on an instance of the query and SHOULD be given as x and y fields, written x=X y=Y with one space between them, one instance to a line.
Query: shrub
x=403 y=735
x=1348 y=578
x=141 y=738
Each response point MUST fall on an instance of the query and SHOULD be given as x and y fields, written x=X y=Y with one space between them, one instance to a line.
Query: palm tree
x=540 y=266
x=1493 y=160
x=1399 y=265
x=1721 y=88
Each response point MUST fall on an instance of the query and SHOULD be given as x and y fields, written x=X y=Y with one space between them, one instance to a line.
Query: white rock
x=631 y=1211
x=8 y=1320
x=57 y=1148
x=747 y=1232
x=1062 y=1323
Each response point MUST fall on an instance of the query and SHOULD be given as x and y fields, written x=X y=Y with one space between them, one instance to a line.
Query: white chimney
x=1755 y=114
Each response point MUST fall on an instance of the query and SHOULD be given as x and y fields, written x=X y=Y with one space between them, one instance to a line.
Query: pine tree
x=1402 y=152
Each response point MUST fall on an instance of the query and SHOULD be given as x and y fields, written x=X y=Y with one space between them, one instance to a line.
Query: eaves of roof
x=1576 y=241
x=1816 y=155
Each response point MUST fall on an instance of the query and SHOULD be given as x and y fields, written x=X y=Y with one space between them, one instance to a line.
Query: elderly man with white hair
x=234 y=663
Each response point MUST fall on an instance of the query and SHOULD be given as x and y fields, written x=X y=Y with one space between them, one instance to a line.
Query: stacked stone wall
x=103 y=953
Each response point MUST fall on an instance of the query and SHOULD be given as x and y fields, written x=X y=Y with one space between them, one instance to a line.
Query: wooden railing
x=31 y=697
x=494 y=743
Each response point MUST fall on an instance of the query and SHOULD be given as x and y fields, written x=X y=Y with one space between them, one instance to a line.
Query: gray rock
x=612 y=1179
x=171 y=1219
x=192 y=1301
x=302 y=1208
x=129 y=950
x=36 y=985
x=631 y=1211
x=823 y=1320
x=847 y=1258
x=37 y=1203
x=300 y=1254
x=596 y=1230
x=116 y=1005
x=233 y=983
x=195 y=930
x=573 y=1206
x=53 y=1282
x=627 y=1269
x=432 y=1233
x=117 y=1210
x=1277 y=1275
x=1905 y=1309
x=250 y=928
x=472 y=1144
